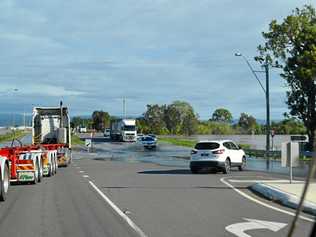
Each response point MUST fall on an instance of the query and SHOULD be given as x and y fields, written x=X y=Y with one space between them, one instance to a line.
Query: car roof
x=216 y=141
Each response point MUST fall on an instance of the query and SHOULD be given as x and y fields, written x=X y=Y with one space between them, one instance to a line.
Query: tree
x=247 y=122
x=291 y=45
x=180 y=118
x=100 y=120
x=80 y=122
x=154 y=117
x=222 y=115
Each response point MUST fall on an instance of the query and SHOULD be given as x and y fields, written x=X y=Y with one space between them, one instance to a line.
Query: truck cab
x=51 y=125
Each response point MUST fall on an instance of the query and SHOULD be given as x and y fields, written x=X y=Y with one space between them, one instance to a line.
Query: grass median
x=12 y=135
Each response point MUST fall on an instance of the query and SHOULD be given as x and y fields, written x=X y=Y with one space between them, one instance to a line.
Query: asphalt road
x=156 y=199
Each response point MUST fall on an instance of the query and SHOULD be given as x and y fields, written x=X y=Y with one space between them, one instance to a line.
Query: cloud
x=93 y=53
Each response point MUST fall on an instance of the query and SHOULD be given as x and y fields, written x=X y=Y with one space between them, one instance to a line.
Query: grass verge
x=178 y=142
x=75 y=140
x=11 y=135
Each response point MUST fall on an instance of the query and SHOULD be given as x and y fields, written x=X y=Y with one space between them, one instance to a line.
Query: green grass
x=9 y=136
x=178 y=142
x=75 y=140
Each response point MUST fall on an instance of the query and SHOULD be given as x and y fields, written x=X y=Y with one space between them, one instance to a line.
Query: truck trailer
x=123 y=130
x=51 y=126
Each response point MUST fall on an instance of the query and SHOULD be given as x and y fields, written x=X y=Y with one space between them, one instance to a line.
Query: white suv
x=220 y=155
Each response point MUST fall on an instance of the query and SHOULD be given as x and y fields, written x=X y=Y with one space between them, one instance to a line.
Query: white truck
x=51 y=129
x=123 y=130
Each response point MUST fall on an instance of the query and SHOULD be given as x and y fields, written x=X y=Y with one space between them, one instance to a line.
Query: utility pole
x=266 y=66
x=266 y=90
x=124 y=108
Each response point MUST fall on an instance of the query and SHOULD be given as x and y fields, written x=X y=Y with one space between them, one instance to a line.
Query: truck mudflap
x=25 y=171
x=63 y=157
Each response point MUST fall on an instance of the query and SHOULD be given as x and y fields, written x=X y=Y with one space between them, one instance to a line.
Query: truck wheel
x=40 y=172
x=36 y=173
x=4 y=184
x=56 y=166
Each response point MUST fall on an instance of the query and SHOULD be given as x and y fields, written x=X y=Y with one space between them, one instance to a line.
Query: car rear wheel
x=227 y=167
x=243 y=164
x=194 y=170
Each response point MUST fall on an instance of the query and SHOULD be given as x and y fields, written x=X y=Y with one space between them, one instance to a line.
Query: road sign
x=88 y=143
x=239 y=229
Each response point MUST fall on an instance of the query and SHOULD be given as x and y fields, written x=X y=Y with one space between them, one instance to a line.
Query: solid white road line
x=281 y=181
x=263 y=203
x=118 y=211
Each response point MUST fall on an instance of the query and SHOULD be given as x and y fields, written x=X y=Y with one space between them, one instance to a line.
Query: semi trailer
x=51 y=126
x=123 y=130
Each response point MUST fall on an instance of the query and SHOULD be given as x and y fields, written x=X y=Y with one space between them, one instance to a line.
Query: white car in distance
x=221 y=155
x=107 y=133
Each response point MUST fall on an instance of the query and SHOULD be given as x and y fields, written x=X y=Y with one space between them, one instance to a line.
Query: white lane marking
x=85 y=176
x=239 y=229
x=262 y=203
x=281 y=181
x=81 y=171
x=119 y=212
x=78 y=167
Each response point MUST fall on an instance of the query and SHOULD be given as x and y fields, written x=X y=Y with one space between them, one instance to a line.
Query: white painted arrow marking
x=239 y=229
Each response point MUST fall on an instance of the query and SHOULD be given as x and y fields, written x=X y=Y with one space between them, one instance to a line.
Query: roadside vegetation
x=75 y=140
x=11 y=135
x=179 y=118
x=178 y=142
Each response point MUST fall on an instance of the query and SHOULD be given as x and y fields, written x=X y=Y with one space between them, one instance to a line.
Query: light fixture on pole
x=267 y=96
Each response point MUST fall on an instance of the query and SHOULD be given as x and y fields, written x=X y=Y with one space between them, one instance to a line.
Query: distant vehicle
x=220 y=155
x=123 y=130
x=148 y=142
x=139 y=136
x=82 y=130
x=153 y=136
x=107 y=132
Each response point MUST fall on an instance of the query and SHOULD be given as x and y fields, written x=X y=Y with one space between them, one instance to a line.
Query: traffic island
x=288 y=194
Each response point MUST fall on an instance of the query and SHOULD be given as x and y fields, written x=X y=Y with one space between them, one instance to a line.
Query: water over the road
x=255 y=141
x=168 y=155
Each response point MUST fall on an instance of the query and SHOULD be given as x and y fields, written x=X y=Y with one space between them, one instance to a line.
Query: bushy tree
x=100 y=120
x=291 y=44
x=222 y=115
x=154 y=118
x=247 y=123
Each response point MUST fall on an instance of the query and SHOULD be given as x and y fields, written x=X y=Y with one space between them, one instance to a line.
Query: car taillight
x=218 y=152
x=193 y=152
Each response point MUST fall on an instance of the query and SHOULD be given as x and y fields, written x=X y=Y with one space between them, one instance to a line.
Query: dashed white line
x=262 y=203
x=118 y=211
x=81 y=171
x=85 y=176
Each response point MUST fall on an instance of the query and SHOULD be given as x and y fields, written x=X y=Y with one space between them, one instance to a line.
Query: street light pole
x=266 y=66
x=266 y=90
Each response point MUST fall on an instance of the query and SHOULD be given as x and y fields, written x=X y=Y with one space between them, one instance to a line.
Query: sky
x=91 y=54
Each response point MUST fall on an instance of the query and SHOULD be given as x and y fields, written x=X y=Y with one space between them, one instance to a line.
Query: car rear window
x=207 y=146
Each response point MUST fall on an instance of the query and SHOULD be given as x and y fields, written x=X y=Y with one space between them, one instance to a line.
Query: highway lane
x=165 y=201
x=170 y=201
x=63 y=205
x=161 y=199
